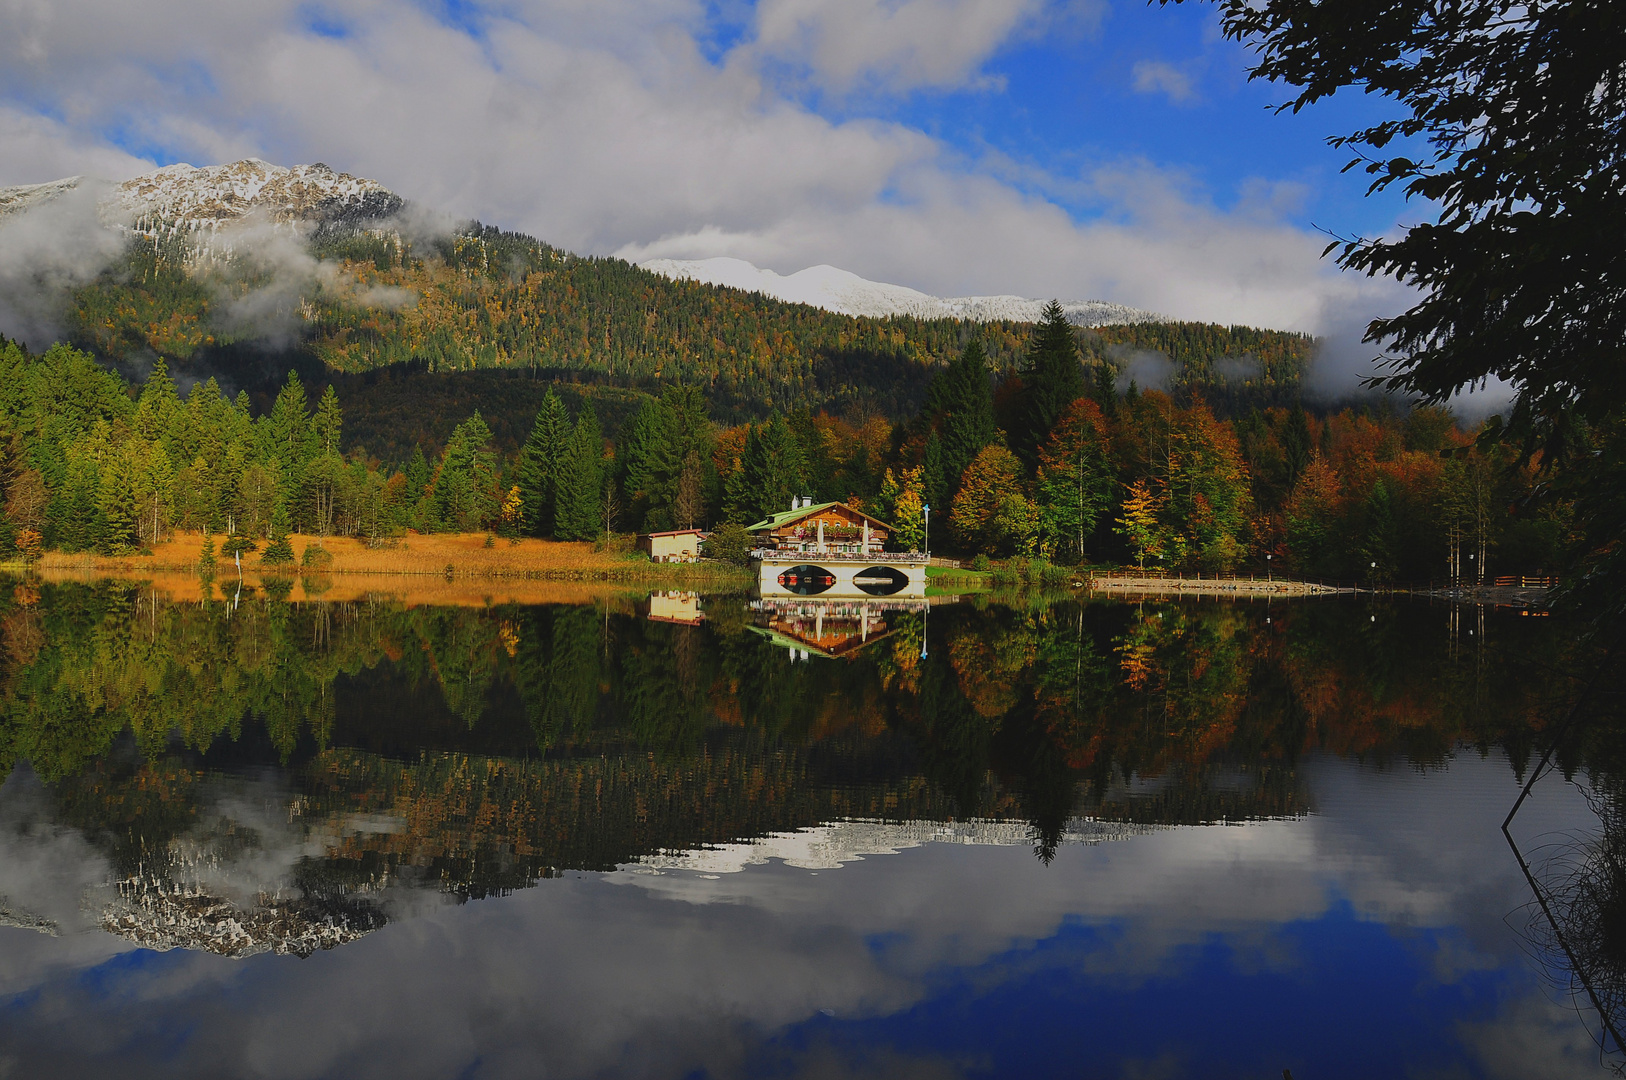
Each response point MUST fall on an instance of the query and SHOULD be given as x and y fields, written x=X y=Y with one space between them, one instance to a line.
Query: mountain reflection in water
x=193 y=785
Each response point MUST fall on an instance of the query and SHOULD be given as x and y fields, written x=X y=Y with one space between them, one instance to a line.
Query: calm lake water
x=682 y=837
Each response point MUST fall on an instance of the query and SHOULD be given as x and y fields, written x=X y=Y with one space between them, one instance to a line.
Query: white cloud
x=615 y=131
x=845 y=44
x=1162 y=77
x=39 y=149
x=643 y=975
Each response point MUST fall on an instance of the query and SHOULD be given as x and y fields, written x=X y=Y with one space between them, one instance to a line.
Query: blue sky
x=1158 y=83
x=1084 y=149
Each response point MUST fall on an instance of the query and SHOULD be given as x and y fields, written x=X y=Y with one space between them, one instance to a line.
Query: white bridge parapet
x=812 y=573
x=877 y=559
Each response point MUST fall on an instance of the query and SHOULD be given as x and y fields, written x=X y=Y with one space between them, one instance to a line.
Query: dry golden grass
x=412 y=591
x=453 y=555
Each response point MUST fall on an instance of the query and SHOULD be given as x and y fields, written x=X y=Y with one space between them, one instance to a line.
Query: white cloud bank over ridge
x=612 y=131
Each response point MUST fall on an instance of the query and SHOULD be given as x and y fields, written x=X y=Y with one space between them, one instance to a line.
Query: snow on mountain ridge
x=217 y=195
x=17 y=200
x=186 y=198
x=845 y=293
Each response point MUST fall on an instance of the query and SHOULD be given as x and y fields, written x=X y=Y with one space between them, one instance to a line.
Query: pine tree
x=284 y=437
x=932 y=473
x=965 y=405
x=417 y=473
x=581 y=478
x=466 y=490
x=1378 y=545
x=741 y=497
x=1105 y=388
x=650 y=453
x=278 y=552
x=539 y=464
x=327 y=425
x=776 y=472
x=158 y=405
x=206 y=560
x=1296 y=445
x=1053 y=378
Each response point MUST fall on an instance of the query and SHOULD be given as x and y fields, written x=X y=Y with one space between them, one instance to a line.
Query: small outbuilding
x=676 y=545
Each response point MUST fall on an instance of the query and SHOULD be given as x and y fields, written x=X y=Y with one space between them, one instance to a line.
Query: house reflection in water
x=676 y=607
x=827 y=627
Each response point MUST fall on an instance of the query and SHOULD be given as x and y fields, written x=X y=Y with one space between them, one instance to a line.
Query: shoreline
x=1216 y=585
x=447 y=556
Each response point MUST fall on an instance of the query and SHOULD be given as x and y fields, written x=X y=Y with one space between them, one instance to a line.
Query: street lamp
x=1267 y=566
x=926 y=509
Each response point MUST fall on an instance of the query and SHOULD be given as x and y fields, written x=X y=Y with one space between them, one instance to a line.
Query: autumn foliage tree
x=1075 y=482
x=991 y=512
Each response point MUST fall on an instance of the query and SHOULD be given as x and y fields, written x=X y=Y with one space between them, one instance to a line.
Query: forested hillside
x=1034 y=461
x=484 y=299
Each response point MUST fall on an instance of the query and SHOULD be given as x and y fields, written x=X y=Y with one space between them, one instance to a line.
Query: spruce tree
x=158 y=404
x=466 y=489
x=740 y=496
x=327 y=425
x=966 y=401
x=933 y=480
x=284 y=437
x=774 y=467
x=652 y=464
x=1053 y=378
x=417 y=474
x=581 y=479
x=539 y=464
x=278 y=552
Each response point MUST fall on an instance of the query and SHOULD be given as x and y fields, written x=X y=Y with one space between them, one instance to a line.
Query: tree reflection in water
x=473 y=751
x=1577 y=922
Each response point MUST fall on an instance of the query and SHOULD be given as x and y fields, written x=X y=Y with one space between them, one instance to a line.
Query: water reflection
x=760 y=865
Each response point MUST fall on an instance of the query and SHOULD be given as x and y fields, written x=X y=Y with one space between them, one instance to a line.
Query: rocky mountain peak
x=219 y=194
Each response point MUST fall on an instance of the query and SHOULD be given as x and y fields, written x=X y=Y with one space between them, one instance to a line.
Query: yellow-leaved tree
x=992 y=513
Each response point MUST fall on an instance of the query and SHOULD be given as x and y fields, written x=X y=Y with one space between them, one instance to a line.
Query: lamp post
x=926 y=510
x=1267 y=566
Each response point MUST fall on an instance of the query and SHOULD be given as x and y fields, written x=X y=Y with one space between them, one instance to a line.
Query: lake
x=680 y=836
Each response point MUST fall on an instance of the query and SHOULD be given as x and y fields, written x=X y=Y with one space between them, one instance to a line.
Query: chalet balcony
x=812 y=554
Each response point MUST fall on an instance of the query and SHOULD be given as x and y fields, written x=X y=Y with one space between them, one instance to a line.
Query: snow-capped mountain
x=846 y=293
x=224 y=193
x=17 y=200
x=204 y=202
x=217 y=195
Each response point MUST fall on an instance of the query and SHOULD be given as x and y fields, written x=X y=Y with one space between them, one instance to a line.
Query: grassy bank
x=1009 y=574
x=450 y=556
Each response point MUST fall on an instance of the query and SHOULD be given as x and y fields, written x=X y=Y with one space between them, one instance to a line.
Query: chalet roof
x=679 y=532
x=790 y=517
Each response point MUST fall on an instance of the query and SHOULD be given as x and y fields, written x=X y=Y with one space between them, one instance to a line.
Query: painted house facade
x=830 y=528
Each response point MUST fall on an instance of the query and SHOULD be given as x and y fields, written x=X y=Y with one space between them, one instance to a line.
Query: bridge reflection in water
x=831 y=628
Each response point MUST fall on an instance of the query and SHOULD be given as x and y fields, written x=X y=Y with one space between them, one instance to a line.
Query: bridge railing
x=781 y=555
